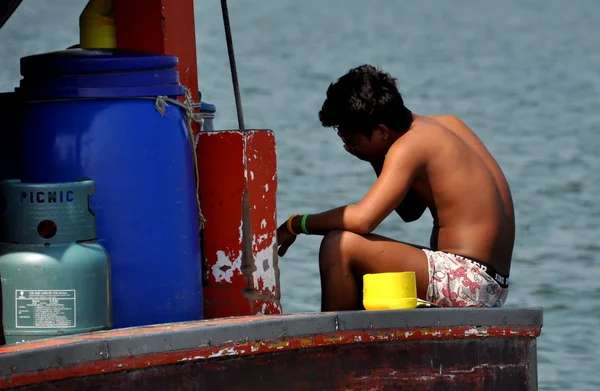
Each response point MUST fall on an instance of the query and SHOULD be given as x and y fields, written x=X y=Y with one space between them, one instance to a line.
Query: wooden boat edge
x=159 y=345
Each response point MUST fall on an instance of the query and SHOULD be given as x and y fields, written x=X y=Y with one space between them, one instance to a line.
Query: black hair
x=362 y=99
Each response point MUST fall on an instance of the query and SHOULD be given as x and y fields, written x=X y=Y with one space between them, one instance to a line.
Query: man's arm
x=411 y=208
x=399 y=170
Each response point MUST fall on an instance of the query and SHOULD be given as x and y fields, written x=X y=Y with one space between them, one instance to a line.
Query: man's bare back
x=476 y=218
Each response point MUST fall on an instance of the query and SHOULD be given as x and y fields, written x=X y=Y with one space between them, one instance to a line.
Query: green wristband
x=303 y=224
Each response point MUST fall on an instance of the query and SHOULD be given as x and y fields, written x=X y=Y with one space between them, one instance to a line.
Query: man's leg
x=345 y=257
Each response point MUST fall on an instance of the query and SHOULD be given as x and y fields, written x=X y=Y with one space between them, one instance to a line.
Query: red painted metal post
x=161 y=26
x=261 y=166
x=238 y=182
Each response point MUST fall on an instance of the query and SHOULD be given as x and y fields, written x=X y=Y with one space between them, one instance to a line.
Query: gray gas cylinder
x=55 y=278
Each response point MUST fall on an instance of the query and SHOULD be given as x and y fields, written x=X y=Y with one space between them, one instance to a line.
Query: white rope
x=191 y=115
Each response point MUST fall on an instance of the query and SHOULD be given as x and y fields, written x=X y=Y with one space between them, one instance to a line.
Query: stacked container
x=104 y=115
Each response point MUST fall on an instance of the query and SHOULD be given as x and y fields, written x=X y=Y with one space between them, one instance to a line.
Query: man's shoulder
x=417 y=143
x=438 y=128
x=448 y=121
x=443 y=118
x=430 y=137
x=430 y=129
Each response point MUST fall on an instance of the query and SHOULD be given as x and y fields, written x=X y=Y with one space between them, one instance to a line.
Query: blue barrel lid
x=207 y=107
x=104 y=73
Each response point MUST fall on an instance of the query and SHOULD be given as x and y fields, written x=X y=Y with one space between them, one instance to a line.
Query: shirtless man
x=421 y=162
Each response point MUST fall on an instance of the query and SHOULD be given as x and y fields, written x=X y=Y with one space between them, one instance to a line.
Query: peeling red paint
x=221 y=189
x=237 y=172
x=268 y=346
x=261 y=162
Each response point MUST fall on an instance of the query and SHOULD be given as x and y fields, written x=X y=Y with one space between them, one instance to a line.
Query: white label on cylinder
x=45 y=309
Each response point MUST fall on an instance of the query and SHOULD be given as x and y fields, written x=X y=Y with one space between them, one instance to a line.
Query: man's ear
x=384 y=130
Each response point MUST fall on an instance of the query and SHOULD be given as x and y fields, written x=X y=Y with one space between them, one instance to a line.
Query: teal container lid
x=46 y=213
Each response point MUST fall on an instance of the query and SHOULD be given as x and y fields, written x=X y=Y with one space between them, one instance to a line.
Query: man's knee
x=338 y=240
x=337 y=246
x=331 y=238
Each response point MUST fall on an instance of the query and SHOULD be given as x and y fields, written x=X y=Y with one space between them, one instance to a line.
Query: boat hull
x=467 y=349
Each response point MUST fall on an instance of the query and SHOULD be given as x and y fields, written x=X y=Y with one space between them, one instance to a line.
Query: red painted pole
x=261 y=166
x=238 y=184
x=164 y=27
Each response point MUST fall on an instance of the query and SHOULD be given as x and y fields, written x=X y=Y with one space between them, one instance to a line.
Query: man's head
x=367 y=110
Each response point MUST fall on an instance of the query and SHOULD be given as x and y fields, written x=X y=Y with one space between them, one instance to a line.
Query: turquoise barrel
x=55 y=277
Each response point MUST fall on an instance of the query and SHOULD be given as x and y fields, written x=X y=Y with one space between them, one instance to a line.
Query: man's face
x=359 y=145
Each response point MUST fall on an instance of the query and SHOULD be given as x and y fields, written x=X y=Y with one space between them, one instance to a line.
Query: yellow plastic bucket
x=390 y=291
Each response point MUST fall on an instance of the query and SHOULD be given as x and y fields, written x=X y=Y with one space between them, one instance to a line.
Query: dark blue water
x=524 y=74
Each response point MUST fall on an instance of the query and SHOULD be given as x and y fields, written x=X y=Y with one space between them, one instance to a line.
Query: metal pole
x=234 y=78
x=6 y=10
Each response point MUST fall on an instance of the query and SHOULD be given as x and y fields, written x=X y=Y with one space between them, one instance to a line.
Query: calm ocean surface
x=524 y=74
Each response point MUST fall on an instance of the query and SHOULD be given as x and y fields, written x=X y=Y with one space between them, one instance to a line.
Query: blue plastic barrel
x=94 y=114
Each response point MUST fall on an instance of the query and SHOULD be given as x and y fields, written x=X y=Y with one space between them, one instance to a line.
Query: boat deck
x=462 y=349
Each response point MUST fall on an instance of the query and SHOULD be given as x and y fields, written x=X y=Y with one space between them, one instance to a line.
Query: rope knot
x=192 y=113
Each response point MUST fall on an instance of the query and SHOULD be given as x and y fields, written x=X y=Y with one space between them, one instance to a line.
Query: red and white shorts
x=456 y=281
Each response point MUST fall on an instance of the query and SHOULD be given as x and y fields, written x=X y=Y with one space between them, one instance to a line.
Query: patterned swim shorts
x=456 y=281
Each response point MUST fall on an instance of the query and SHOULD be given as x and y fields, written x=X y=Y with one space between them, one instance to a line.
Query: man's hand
x=284 y=239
